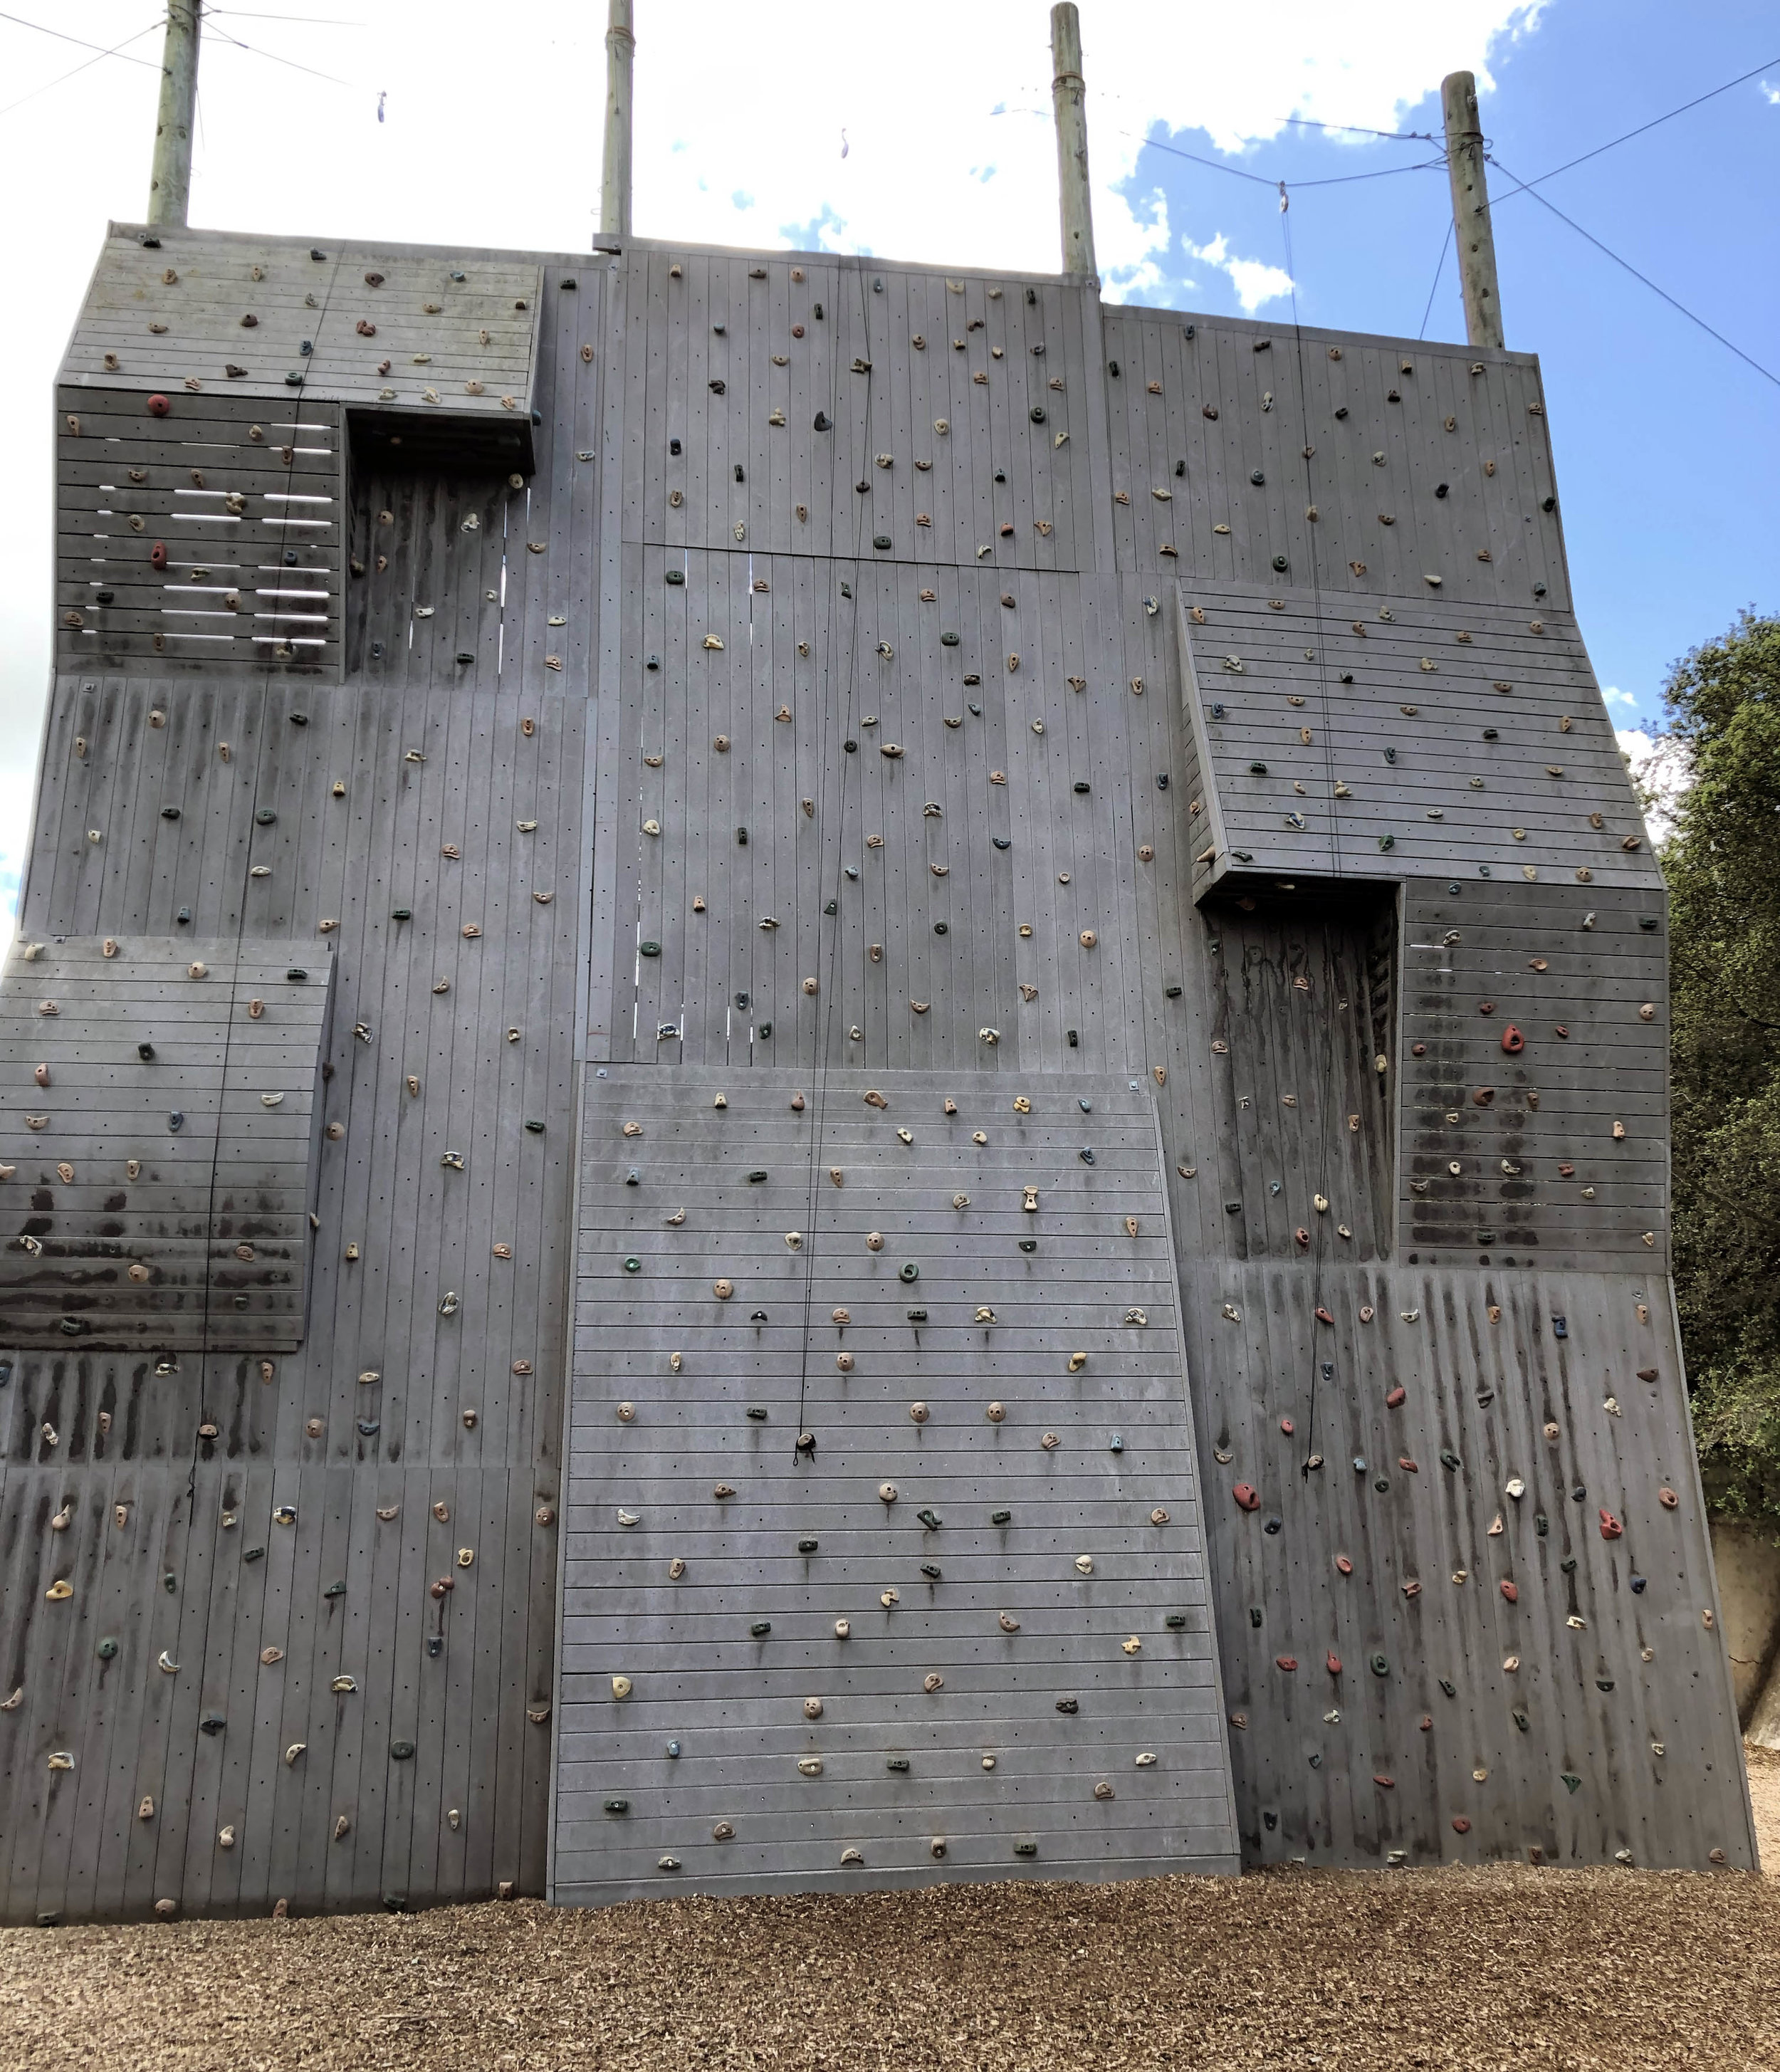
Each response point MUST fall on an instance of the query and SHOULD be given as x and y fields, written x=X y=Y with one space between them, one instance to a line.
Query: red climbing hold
x=1332 y=1663
x=1668 y=1499
x=1512 y=1040
x=1396 y=1399
x=1427 y=1723
x=1344 y=1564
x=1286 y=1426
x=1286 y=1662
x=1407 y=1465
x=1511 y=1591
x=1610 y=1527
x=1248 y=1496
x=1303 y=1237
x=1323 y=1316
x=1461 y=1826
x=157 y=555
x=158 y=406
x=1383 y=1782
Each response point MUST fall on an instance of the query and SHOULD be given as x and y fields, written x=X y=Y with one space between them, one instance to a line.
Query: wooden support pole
x=1068 y=99
x=169 y=179
x=614 y=183
x=1472 y=231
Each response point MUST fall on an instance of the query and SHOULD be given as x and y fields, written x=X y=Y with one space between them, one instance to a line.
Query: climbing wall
x=171 y=1160
x=825 y=672
x=883 y=1560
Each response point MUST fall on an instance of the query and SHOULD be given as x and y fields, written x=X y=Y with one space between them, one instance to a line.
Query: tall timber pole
x=614 y=180
x=169 y=181
x=1068 y=98
x=1472 y=231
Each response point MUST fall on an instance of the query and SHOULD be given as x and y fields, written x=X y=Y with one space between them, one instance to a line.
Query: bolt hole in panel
x=1001 y=1492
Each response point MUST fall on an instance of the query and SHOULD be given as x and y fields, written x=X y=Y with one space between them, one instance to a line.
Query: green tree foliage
x=1723 y=865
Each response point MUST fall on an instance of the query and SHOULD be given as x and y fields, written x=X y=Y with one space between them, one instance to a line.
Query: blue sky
x=1666 y=442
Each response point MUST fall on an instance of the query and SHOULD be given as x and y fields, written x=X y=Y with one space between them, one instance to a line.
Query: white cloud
x=1615 y=697
x=1255 y=281
x=1772 y=92
x=1659 y=765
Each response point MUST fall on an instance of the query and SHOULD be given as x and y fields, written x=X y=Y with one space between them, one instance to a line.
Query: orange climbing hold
x=1512 y=1040
x=1248 y=1496
x=1610 y=1527
x=1288 y=1662
x=1332 y=1663
x=1511 y=1591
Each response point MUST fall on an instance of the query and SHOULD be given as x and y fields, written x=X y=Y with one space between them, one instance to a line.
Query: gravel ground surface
x=1505 y=1967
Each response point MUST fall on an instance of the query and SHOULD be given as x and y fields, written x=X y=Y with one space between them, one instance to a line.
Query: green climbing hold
x=1380 y=1665
x=1174 y=1621
x=931 y=1519
x=618 y=1804
x=930 y=1570
x=761 y=1628
x=648 y=949
x=909 y=1271
x=107 y=1649
x=1572 y=1781
x=897 y=1763
x=1450 y=1689
x=1001 y=1517
x=1448 y=1459
x=1521 y=1720
x=1025 y=1848
x=633 y=1265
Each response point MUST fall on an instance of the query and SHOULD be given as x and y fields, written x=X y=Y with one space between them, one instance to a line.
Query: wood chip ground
x=1501 y=1967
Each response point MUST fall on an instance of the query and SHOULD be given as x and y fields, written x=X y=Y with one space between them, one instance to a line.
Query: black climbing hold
x=337 y=1589
x=1441 y=490
x=1232 y=1208
x=1072 y=1037
x=758 y=1413
x=1161 y=781
x=1081 y=790
x=1559 y=1328
x=764 y=1030
x=676 y=576
x=1069 y=1705
x=1448 y=1459
x=831 y=908
x=1489 y=733
x=1029 y=1244
x=1271 y=1820
x=918 y=1316
x=761 y=1628
x=401 y=1751
x=369 y=1427
x=930 y=1570
x=297 y=976
x=673 y=446
x=534 y=1125
x=1171 y=992
x=1001 y=841
x=942 y=928
x=1603 y=1683
x=1274 y=1525
x=1038 y=414
x=176 y=1120
x=634 y=1178
x=1174 y=1621
x=1580 y=1493
x=1001 y=1517
x=401 y=912
x=1280 y=564
x=1638 y=1586
x=1542 y=1524
x=821 y=420
x=1086 y=1156
x=852 y=747
x=806 y=1546
x=756 y=1176
x=248 y=1554
x=742 y=838
x=169 y=812
x=648 y=949
x=1521 y=1720
x=741 y=1002
x=1390 y=755
x=1257 y=769
x=1382 y=1484
x=881 y=541
x=1180 y=467
x=1254 y=1615
x=146 y=1052
x=948 y=640
x=931 y=1519
x=898 y=1765
x=757 y=1317
x=299 y=719
x=211 y=1723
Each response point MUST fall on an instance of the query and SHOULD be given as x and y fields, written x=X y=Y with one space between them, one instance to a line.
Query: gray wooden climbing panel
x=883 y=1560
x=760 y=673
